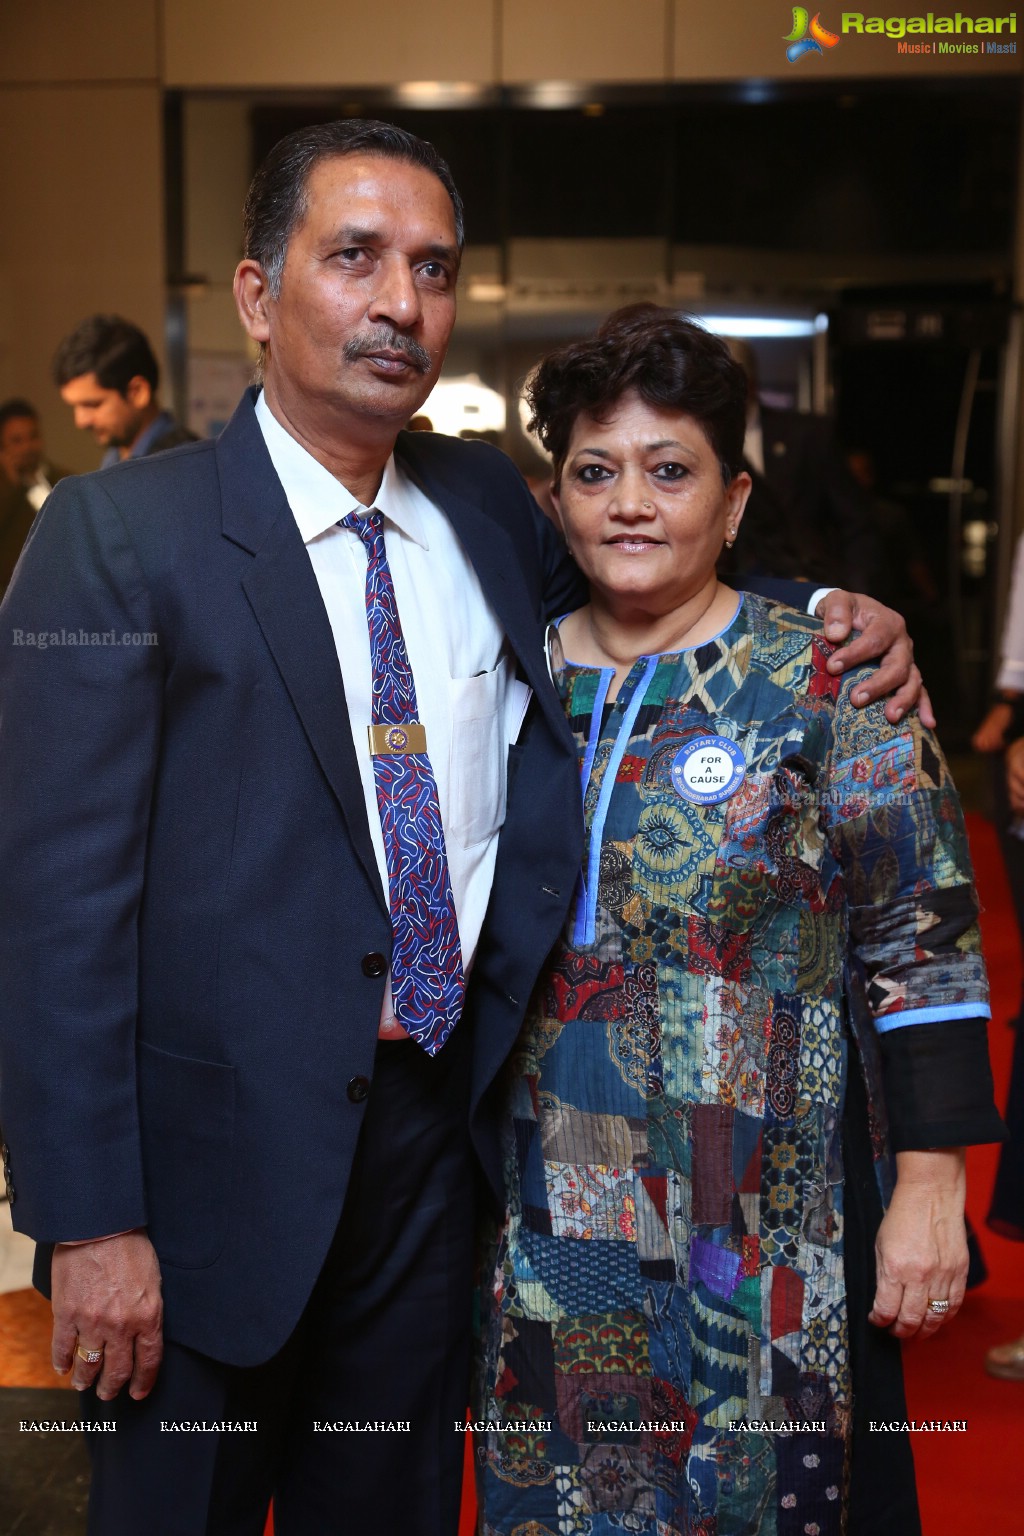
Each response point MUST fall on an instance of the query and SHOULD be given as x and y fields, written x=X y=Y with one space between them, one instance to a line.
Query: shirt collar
x=158 y=427
x=319 y=501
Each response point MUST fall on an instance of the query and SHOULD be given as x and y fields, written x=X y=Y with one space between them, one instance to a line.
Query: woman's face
x=642 y=504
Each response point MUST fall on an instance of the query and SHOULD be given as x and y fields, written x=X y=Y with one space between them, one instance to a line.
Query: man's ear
x=252 y=298
x=139 y=393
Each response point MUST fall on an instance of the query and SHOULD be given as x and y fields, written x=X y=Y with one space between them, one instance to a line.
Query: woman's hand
x=883 y=634
x=921 y=1248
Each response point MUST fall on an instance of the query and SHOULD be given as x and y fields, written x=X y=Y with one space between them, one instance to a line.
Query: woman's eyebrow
x=662 y=442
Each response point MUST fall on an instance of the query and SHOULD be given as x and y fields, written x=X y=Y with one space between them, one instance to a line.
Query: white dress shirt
x=468 y=698
x=37 y=489
x=1011 y=666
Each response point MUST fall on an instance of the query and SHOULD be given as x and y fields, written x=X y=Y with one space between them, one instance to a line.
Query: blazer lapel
x=284 y=596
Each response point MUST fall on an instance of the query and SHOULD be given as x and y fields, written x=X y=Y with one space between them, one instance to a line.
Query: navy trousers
x=385 y=1337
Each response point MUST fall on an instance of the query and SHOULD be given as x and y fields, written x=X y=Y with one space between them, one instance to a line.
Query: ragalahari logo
x=800 y=42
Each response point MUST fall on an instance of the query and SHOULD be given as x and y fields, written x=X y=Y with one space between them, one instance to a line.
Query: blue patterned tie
x=427 y=984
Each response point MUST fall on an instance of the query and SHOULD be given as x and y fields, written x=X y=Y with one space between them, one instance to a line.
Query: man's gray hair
x=276 y=204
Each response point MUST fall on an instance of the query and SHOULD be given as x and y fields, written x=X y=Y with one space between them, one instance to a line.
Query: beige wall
x=82 y=231
x=50 y=40
x=585 y=40
x=326 y=42
x=81 y=187
x=338 y=43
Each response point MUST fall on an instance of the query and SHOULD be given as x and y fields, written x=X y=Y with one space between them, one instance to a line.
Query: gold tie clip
x=390 y=740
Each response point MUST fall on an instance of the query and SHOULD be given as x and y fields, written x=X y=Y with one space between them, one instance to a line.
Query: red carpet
x=968 y=1481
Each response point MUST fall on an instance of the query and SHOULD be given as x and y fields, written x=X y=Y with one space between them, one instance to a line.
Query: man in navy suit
x=259 y=1192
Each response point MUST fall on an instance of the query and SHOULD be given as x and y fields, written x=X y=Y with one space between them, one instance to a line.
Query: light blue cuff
x=901 y=1020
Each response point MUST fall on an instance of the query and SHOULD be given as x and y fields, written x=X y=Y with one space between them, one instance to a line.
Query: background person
x=802 y=488
x=107 y=372
x=690 y=1201
x=23 y=458
x=26 y=479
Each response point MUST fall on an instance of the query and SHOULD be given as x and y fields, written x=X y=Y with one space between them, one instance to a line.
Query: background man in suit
x=107 y=372
x=210 y=1102
x=26 y=479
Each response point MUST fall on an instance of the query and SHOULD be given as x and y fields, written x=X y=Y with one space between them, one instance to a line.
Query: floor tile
x=25 y=1328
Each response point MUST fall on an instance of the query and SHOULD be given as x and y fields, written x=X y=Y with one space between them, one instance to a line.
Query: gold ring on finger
x=90 y=1356
x=940 y=1308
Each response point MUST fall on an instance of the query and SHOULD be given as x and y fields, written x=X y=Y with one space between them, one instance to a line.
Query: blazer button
x=374 y=964
x=358 y=1088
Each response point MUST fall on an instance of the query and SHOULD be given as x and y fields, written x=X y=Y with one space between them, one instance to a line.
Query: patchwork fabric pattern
x=667 y=1305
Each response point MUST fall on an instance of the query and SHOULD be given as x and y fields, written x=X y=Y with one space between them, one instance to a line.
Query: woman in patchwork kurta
x=666 y=1335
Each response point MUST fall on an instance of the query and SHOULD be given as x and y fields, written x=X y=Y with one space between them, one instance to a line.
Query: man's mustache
x=386 y=339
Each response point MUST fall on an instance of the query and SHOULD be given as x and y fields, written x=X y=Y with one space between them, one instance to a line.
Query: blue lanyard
x=586 y=907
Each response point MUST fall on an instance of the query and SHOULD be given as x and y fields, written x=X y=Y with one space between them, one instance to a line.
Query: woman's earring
x=731 y=539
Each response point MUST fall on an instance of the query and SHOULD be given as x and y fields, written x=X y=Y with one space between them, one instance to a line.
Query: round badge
x=708 y=769
x=397 y=738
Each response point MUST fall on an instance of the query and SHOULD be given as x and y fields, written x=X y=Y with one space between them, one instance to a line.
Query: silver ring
x=940 y=1308
x=90 y=1356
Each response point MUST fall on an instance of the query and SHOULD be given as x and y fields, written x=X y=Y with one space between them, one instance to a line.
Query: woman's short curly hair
x=666 y=359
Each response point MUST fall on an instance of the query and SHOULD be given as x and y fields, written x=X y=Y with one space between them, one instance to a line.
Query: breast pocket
x=478 y=755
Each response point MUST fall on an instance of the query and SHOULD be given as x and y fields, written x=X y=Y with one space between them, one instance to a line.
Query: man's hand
x=991 y=733
x=921 y=1248
x=106 y=1296
x=882 y=634
x=1015 y=775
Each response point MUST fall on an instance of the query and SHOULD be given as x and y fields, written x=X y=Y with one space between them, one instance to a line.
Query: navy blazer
x=187 y=883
